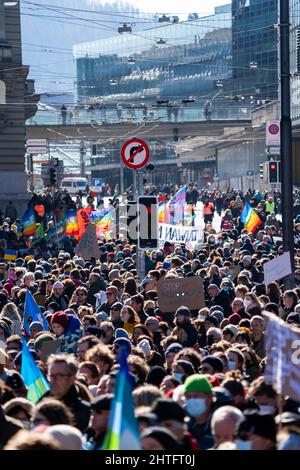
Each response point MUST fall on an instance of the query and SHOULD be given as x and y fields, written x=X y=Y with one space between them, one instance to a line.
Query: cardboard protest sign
x=88 y=246
x=173 y=293
x=277 y=268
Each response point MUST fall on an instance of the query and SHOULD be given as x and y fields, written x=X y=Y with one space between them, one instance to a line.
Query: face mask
x=231 y=365
x=243 y=445
x=178 y=376
x=267 y=409
x=196 y=406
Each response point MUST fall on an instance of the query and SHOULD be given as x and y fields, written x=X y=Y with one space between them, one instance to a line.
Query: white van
x=74 y=184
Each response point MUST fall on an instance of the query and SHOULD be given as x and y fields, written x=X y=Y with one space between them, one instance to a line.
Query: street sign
x=135 y=153
x=36 y=150
x=36 y=146
x=272 y=150
x=97 y=182
x=273 y=133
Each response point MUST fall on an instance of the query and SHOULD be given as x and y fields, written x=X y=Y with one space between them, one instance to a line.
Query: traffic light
x=148 y=222
x=273 y=172
x=53 y=176
x=131 y=222
x=264 y=172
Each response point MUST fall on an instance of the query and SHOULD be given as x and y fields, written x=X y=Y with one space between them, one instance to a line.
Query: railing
x=137 y=115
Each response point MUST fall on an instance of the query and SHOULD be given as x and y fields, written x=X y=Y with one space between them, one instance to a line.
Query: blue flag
x=122 y=432
x=32 y=313
x=34 y=380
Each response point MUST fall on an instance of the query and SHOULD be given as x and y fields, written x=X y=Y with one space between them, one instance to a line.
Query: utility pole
x=82 y=154
x=286 y=140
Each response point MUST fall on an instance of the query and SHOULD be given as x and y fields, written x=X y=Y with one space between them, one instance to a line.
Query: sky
x=178 y=6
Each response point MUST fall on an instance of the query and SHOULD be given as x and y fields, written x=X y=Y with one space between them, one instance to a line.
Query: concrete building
x=17 y=103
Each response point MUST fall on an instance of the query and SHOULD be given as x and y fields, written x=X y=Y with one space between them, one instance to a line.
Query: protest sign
x=88 y=246
x=282 y=343
x=83 y=220
x=277 y=268
x=173 y=293
x=180 y=234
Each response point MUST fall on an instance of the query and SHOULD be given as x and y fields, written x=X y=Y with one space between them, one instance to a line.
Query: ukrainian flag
x=10 y=255
x=123 y=433
x=34 y=380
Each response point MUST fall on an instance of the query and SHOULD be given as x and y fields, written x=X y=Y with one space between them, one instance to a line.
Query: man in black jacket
x=62 y=372
x=98 y=424
x=96 y=284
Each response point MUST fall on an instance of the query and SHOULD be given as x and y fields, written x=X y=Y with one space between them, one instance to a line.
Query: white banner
x=180 y=234
x=277 y=268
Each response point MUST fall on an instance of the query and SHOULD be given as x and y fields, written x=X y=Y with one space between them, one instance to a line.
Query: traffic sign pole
x=140 y=254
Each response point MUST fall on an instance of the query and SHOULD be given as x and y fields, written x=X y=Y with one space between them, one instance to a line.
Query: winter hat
x=61 y=318
x=197 y=383
x=234 y=319
x=123 y=342
x=247 y=258
x=166 y=409
x=121 y=333
x=173 y=348
x=145 y=346
x=219 y=315
x=260 y=425
x=187 y=367
x=6 y=330
x=214 y=320
x=101 y=316
x=69 y=437
x=36 y=325
x=231 y=329
x=41 y=339
x=58 y=285
x=166 y=438
x=79 y=262
x=215 y=362
x=156 y=375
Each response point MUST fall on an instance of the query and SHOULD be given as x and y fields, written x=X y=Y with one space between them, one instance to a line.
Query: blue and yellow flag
x=122 y=433
x=10 y=255
x=37 y=385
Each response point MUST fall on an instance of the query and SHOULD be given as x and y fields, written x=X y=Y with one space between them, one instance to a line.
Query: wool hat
x=123 y=342
x=58 y=285
x=61 y=318
x=41 y=339
x=36 y=325
x=166 y=409
x=183 y=311
x=173 y=348
x=79 y=262
x=260 y=425
x=186 y=366
x=121 y=333
x=215 y=362
x=197 y=383
x=117 y=305
x=145 y=346
x=234 y=319
x=231 y=329
x=101 y=316
x=69 y=437
x=156 y=375
x=214 y=320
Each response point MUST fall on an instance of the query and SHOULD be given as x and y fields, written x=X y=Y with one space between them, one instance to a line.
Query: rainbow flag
x=29 y=223
x=122 y=433
x=10 y=255
x=71 y=224
x=250 y=218
x=37 y=385
x=102 y=220
x=176 y=207
x=163 y=213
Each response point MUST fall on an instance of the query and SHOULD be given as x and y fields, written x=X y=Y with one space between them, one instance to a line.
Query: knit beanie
x=215 y=362
x=41 y=339
x=145 y=346
x=197 y=383
x=61 y=318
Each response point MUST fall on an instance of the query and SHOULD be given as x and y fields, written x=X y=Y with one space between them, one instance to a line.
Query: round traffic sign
x=274 y=128
x=135 y=153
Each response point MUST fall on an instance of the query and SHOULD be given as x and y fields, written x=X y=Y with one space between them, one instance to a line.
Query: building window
x=298 y=50
x=2 y=92
x=5 y=54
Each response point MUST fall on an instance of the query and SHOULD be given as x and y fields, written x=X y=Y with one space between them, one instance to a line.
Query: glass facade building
x=171 y=61
x=255 y=48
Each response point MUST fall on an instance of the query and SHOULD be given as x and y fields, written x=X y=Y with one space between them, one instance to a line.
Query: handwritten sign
x=173 y=293
x=88 y=245
x=191 y=236
x=277 y=268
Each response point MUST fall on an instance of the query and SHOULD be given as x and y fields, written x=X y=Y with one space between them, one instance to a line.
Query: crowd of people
x=197 y=375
